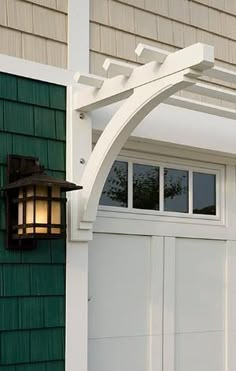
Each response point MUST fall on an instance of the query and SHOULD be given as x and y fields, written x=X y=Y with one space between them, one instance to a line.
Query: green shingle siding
x=32 y=283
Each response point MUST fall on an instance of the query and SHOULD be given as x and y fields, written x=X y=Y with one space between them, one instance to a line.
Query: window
x=115 y=190
x=163 y=188
x=204 y=194
x=176 y=190
x=145 y=187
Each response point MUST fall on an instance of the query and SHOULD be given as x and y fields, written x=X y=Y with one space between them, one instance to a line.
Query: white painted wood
x=228 y=95
x=201 y=308
x=115 y=67
x=169 y=305
x=76 y=306
x=222 y=74
x=111 y=222
x=117 y=132
x=37 y=71
x=78 y=35
x=150 y=53
x=156 y=304
x=230 y=196
x=194 y=105
x=200 y=286
x=199 y=351
x=78 y=131
x=231 y=308
x=116 y=354
x=177 y=127
x=119 y=279
x=78 y=150
x=198 y=56
x=90 y=80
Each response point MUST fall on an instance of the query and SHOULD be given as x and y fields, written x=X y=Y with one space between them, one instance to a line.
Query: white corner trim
x=78 y=35
x=37 y=71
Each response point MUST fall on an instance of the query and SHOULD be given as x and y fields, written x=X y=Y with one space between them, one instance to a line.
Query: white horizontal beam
x=213 y=92
x=90 y=80
x=201 y=107
x=197 y=56
x=37 y=71
x=150 y=53
x=115 y=68
x=222 y=74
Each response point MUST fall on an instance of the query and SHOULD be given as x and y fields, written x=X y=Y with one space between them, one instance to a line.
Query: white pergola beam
x=213 y=92
x=197 y=56
x=89 y=80
x=115 y=68
x=150 y=53
x=201 y=107
x=222 y=74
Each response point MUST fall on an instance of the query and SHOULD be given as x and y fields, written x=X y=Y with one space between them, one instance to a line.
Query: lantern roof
x=41 y=179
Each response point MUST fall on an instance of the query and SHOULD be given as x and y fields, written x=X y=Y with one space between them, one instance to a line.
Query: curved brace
x=116 y=133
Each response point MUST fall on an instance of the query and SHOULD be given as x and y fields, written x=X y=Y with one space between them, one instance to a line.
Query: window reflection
x=115 y=191
x=204 y=194
x=145 y=187
x=175 y=190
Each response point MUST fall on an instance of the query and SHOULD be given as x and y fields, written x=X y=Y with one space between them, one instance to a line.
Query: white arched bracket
x=145 y=88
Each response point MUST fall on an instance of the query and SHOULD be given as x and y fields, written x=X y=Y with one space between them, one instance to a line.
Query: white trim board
x=34 y=70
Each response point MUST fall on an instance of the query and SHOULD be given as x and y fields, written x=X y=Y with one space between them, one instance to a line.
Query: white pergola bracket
x=150 y=53
x=143 y=87
x=89 y=80
x=116 y=68
x=197 y=57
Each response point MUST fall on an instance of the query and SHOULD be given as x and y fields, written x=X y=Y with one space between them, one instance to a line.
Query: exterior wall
x=117 y=26
x=32 y=284
x=35 y=30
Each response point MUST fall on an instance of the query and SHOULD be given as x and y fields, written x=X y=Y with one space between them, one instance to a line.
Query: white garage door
x=156 y=303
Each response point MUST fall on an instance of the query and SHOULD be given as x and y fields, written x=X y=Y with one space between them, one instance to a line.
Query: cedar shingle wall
x=117 y=26
x=32 y=283
x=34 y=30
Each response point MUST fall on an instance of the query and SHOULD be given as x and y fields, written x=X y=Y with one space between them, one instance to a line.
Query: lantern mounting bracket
x=20 y=166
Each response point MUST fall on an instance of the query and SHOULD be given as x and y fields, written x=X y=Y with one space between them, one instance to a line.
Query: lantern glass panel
x=56 y=210
x=41 y=210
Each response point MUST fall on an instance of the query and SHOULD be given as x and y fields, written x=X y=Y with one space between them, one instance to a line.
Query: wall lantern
x=34 y=203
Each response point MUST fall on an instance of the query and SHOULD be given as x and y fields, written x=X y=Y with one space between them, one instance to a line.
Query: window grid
x=218 y=172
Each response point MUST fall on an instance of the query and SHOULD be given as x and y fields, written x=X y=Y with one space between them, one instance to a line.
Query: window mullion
x=130 y=185
x=190 y=192
x=161 y=190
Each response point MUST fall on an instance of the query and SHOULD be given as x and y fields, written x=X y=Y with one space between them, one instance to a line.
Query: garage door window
x=162 y=189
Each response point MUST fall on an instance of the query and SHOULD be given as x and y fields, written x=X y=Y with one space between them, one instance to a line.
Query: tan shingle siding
x=3 y=13
x=34 y=30
x=50 y=24
x=56 y=54
x=10 y=42
x=20 y=15
x=145 y=24
x=34 y=48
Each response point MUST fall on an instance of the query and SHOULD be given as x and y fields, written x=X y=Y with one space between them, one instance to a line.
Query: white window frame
x=169 y=216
